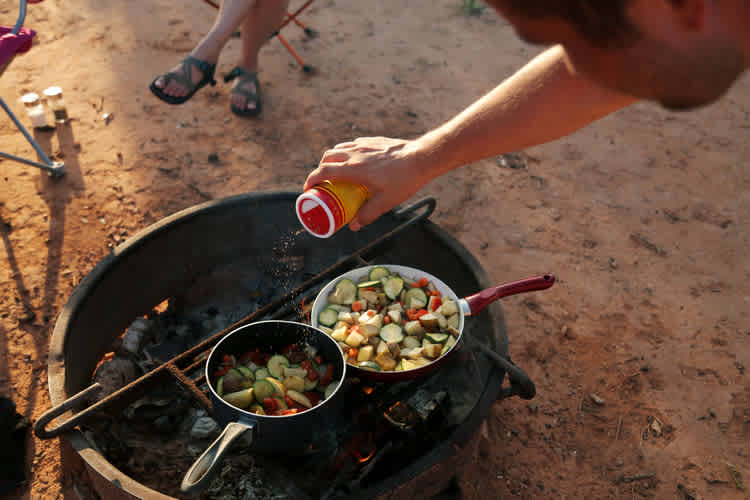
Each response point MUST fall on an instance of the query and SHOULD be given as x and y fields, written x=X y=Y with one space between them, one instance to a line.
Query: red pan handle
x=482 y=299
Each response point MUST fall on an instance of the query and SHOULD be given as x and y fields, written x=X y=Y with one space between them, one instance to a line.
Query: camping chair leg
x=54 y=169
x=305 y=66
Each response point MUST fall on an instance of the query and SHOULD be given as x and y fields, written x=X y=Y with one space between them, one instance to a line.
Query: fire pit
x=394 y=439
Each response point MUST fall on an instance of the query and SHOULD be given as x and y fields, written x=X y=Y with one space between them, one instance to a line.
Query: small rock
x=213 y=158
x=204 y=427
x=533 y=407
x=596 y=399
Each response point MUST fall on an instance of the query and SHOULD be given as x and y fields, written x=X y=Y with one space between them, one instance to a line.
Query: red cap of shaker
x=314 y=214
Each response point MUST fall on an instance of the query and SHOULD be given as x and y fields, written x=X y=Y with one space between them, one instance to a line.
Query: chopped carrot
x=422 y=282
x=357 y=306
x=387 y=320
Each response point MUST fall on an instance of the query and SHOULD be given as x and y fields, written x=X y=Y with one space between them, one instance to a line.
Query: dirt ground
x=639 y=352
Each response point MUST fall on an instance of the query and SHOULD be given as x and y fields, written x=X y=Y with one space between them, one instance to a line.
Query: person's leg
x=262 y=21
x=231 y=15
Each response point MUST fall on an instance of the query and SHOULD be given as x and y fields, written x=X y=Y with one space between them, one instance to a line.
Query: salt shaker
x=329 y=206
x=34 y=109
x=56 y=102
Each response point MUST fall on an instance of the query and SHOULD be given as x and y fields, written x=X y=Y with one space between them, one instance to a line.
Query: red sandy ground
x=640 y=215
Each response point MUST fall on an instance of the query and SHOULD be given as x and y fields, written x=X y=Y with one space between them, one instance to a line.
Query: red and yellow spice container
x=329 y=206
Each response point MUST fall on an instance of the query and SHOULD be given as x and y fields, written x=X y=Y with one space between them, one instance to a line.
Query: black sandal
x=183 y=77
x=245 y=76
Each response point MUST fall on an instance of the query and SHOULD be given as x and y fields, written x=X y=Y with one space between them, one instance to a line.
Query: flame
x=367 y=390
x=362 y=456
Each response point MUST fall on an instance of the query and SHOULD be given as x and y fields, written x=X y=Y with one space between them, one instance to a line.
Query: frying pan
x=467 y=306
x=264 y=434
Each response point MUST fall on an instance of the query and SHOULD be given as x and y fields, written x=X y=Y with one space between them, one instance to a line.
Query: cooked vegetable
x=378 y=272
x=328 y=316
x=276 y=365
x=395 y=323
x=277 y=386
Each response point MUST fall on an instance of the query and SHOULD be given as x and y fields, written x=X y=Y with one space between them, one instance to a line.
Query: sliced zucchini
x=263 y=389
x=246 y=372
x=257 y=409
x=370 y=365
x=393 y=286
x=369 y=284
x=378 y=272
x=278 y=387
x=261 y=373
x=240 y=399
x=294 y=383
x=436 y=338
x=416 y=298
x=276 y=365
x=220 y=386
x=310 y=384
x=294 y=372
x=328 y=316
x=392 y=333
x=345 y=292
x=281 y=404
x=329 y=390
x=448 y=344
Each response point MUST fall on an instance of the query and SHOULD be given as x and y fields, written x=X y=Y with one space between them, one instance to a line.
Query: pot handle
x=475 y=303
x=40 y=427
x=204 y=468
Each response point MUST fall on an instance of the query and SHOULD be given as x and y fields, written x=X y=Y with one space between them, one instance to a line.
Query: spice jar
x=329 y=206
x=56 y=102
x=34 y=109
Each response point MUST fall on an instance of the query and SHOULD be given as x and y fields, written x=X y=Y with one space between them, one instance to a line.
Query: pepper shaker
x=56 y=102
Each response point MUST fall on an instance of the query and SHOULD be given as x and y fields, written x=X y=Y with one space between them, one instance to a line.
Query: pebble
x=204 y=427
x=596 y=399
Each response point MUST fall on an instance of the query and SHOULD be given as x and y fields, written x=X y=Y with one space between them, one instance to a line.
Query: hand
x=388 y=167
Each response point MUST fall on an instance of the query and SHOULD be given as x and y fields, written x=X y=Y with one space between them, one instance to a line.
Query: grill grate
x=179 y=367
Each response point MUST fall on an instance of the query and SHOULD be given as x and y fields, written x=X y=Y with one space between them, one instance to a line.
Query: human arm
x=541 y=102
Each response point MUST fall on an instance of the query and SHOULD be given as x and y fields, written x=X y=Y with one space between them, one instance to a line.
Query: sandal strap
x=206 y=69
x=238 y=72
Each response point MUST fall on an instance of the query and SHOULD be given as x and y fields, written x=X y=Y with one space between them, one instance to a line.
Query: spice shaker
x=34 y=109
x=329 y=206
x=56 y=102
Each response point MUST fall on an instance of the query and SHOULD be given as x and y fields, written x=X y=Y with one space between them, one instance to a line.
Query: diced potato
x=421 y=361
x=369 y=295
x=395 y=315
x=386 y=361
x=382 y=347
x=340 y=324
x=411 y=352
x=294 y=383
x=396 y=306
x=355 y=316
x=449 y=307
x=408 y=365
x=382 y=299
x=453 y=331
x=354 y=339
x=425 y=342
x=369 y=330
x=411 y=341
x=429 y=322
x=325 y=329
x=453 y=321
x=292 y=372
x=442 y=321
x=414 y=328
x=339 y=334
x=365 y=353
x=346 y=317
x=432 y=351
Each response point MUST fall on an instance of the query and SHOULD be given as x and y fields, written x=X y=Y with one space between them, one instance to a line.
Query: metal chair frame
x=53 y=168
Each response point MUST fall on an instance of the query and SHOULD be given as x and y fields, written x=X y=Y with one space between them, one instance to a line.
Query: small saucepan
x=266 y=434
x=373 y=284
